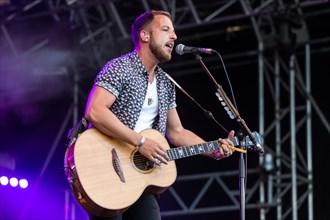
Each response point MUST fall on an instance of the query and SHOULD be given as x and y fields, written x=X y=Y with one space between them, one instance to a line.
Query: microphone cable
x=207 y=113
x=228 y=79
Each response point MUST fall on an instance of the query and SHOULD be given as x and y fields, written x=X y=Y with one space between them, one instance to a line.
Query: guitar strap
x=76 y=130
x=69 y=171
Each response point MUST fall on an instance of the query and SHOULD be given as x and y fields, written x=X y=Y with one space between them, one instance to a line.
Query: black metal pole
x=235 y=115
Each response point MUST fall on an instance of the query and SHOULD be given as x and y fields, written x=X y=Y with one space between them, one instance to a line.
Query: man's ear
x=144 y=35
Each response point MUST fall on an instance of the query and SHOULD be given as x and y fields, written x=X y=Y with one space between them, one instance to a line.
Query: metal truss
x=212 y=187
x=98 y=30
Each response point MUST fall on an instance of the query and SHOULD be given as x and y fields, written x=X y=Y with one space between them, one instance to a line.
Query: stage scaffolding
x=94 y=28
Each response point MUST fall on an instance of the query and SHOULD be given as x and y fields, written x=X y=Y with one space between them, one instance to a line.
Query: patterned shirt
x=127 y=79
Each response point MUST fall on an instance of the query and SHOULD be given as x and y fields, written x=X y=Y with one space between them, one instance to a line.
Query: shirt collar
x=137 y=62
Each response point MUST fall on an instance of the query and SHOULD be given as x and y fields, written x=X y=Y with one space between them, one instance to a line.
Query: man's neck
x=151 y=75
x=149 y=61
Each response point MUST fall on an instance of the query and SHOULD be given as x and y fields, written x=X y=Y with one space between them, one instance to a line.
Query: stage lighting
x=13 y=181
x=4 y=180
x=23 y=183
x=268 y=164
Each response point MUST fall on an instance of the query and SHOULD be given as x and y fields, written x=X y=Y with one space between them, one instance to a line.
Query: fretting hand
x=224 y=151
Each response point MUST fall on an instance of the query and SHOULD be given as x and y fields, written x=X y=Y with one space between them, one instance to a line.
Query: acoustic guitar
x=107 y=175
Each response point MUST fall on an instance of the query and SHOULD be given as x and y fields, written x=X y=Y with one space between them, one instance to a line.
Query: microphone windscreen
x=179 y=49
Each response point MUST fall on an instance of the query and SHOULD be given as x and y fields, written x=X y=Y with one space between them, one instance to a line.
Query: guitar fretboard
x=187 y=151
x=181 y=152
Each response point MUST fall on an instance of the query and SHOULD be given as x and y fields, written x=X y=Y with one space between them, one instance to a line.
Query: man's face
x=162 y=37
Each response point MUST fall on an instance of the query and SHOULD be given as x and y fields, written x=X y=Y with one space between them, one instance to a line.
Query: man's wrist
x=215 y=155
x=142 y=140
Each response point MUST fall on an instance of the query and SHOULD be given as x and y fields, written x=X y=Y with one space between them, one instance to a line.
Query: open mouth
x=169 y=46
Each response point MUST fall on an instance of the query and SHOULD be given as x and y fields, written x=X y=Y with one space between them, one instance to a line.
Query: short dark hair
x=144 y=20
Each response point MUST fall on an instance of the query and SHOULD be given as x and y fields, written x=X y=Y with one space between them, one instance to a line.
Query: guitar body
x=107 y=176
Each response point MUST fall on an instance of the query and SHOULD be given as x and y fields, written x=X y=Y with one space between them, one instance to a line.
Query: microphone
x=181 y=49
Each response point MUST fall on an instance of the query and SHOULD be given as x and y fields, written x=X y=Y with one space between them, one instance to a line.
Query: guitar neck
x=187 y=151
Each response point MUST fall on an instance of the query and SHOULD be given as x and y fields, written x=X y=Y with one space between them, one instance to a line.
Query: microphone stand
x=233 y=114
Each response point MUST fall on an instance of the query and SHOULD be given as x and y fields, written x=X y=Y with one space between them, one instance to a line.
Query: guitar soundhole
x=141 y=163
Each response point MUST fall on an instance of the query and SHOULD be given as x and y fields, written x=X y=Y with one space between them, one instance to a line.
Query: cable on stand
x=233 y=114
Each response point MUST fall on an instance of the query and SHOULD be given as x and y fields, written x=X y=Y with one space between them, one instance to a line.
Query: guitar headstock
x=248 y=143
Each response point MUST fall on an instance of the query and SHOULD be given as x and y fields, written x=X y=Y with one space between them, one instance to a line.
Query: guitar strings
x=142 y=159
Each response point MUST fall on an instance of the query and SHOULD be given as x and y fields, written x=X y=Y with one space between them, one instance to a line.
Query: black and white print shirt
x=127 y=79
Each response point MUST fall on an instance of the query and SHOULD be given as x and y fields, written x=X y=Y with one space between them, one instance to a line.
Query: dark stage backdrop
x=31 y=126
x=36 y=96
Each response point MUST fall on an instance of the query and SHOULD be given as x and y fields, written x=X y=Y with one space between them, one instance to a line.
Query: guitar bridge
x=116 y=165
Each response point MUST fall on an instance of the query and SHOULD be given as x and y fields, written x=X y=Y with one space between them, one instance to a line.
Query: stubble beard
x=161 y=55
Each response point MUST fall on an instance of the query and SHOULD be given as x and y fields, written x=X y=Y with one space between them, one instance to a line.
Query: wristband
x=215 y=155
x=143 y=139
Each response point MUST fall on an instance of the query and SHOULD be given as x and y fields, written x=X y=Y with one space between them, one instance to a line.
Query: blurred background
x=274 y=67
